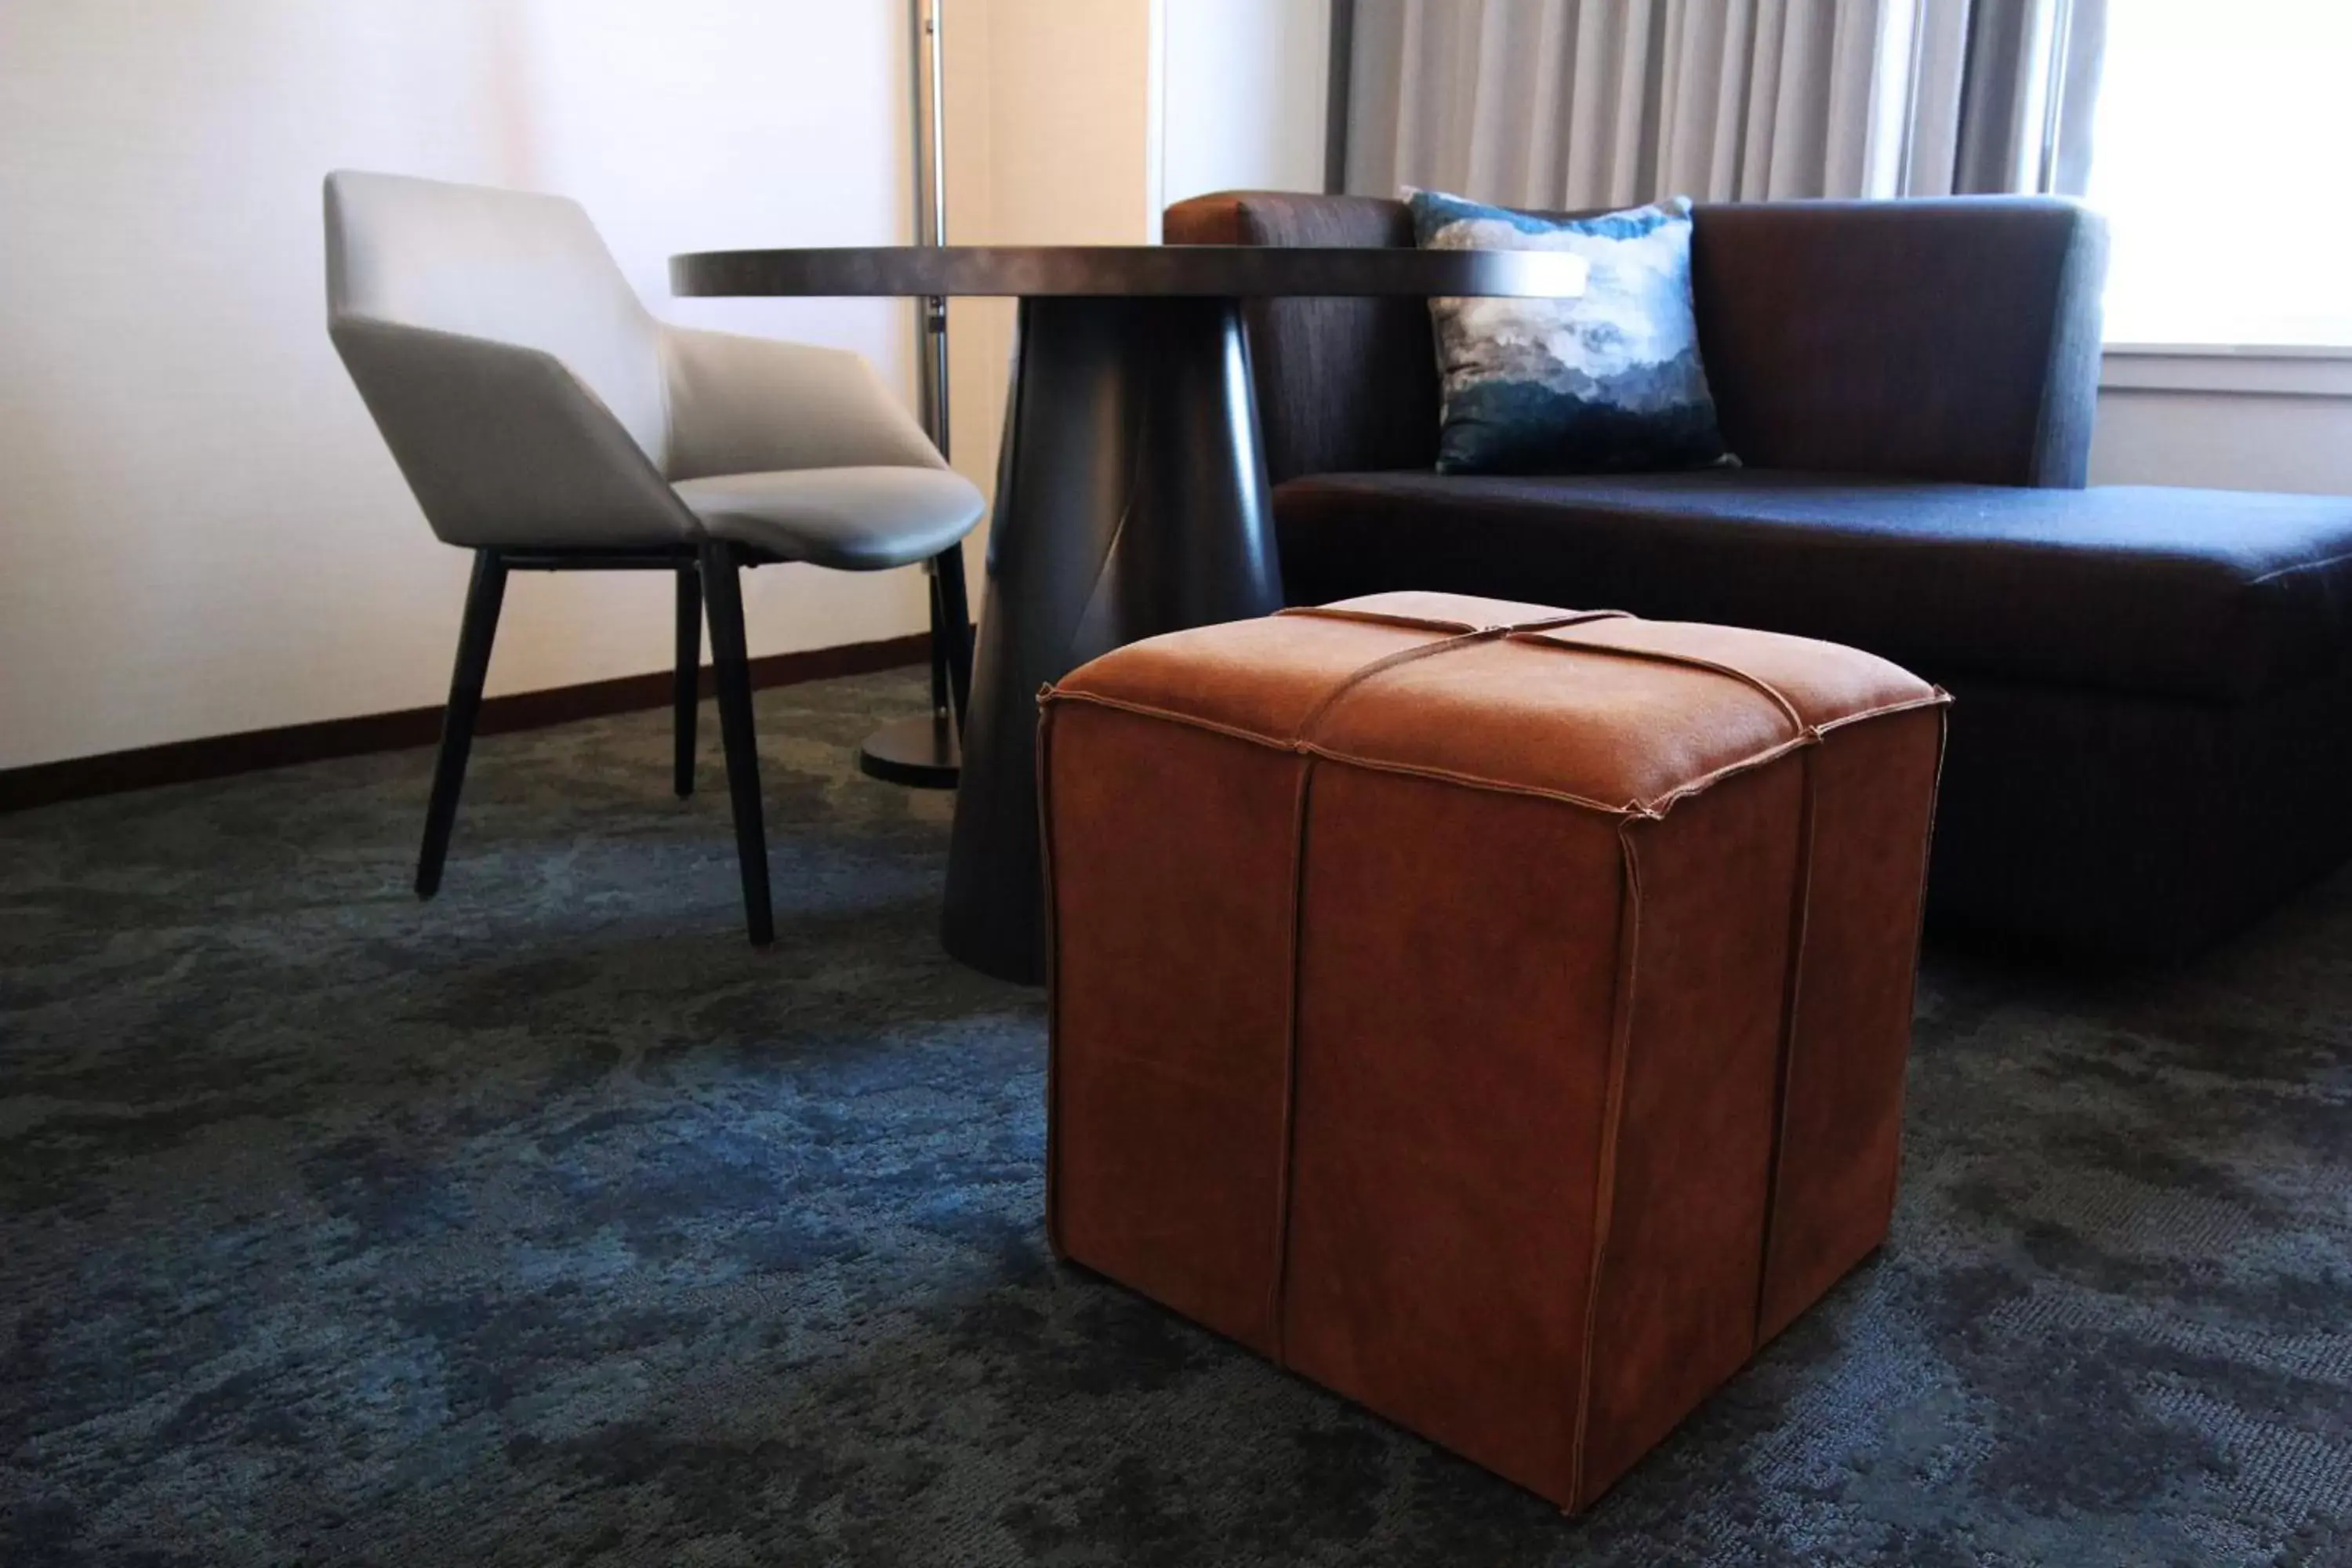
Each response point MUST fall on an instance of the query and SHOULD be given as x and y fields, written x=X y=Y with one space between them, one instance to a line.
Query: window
x=2221 y=153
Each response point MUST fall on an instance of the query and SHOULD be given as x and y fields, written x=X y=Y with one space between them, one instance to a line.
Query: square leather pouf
x=1494 y=1012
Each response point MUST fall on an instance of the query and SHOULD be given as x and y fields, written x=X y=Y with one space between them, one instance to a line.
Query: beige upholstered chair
x=546 y=421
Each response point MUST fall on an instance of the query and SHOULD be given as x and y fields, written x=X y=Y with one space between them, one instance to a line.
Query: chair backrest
x=511 y=268
x=1954 y=340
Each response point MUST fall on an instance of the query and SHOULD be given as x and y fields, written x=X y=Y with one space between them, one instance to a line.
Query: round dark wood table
x=1131 y=493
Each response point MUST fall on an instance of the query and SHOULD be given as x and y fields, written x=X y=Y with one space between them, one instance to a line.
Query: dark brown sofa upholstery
x=2152 y=741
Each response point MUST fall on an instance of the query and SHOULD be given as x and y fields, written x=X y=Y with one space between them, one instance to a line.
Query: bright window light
x=2222 y=156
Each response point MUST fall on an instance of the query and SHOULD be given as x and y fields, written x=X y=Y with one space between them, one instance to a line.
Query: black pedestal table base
x=918 y=754
x=1132 y=500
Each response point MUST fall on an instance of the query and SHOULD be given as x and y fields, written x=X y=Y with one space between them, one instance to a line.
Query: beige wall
x=1051 y=139
x=1244 y=84
x=1072 y=117
x=2225 y=440
x=1075 y=122
x=199 y=529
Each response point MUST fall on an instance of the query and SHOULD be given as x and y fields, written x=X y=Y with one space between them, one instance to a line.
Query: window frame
x=2249 y=370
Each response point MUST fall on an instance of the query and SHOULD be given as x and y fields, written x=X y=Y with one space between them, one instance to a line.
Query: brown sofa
x=2151 y=743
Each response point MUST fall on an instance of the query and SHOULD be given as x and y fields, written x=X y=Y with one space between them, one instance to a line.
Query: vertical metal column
x=927 y=752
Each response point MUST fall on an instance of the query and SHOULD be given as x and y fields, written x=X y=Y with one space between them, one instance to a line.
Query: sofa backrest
x=1343 y=385
x=1954 y=340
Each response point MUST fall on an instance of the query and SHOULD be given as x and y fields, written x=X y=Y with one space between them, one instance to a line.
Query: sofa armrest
x=1951 y=340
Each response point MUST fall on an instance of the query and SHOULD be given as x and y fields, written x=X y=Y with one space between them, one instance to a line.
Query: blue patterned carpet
x=549 y=1223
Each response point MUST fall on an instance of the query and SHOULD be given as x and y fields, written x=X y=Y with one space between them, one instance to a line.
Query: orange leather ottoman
x=1493 y=1013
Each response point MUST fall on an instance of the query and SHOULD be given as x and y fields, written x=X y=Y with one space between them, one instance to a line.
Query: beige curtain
x=1582 y=104
x=2027 y=91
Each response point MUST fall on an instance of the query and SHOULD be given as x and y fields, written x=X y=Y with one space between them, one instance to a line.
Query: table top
x=1222 y=271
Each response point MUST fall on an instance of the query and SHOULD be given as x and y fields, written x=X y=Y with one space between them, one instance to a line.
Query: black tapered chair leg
x=730 y=665
x=941 y=702
x=474 y=636
x=690 y=669
x=955 y=612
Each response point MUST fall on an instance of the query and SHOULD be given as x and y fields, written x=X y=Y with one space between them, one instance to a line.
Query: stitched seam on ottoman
x=1653 y=807
x=1791 y=988
x=1052 y=991
x=1386 y=662
x=1279 y=1307
x=1417 y=770
x=1152 y=711
x=1417 y=623
x=1937 y=698
x=1374 y=618
x=1474 y=781
x=1308 y=753
x=1382 y=666
x=1612 y=1109
x=1688 y=661
x=1659 y=806
x=1911 y=995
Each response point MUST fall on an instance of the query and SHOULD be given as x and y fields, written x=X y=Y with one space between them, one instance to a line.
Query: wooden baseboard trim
x=219 y=757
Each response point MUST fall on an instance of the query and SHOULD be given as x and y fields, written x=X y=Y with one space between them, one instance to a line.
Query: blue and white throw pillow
x=1608 y=383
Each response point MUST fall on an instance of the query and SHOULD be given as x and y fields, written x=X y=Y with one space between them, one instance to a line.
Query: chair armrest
x=503 y=445
x=742 y=406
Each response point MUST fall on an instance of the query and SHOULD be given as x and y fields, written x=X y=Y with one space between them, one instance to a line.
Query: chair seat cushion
x=856 y=520
x=2210 y=595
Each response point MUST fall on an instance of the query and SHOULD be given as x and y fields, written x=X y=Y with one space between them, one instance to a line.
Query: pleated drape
x=1582 y=104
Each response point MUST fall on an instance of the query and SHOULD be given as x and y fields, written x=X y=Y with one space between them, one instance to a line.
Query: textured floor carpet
x=549 y=1223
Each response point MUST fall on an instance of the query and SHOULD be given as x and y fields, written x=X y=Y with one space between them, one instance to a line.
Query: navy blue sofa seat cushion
x=2220 y=596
